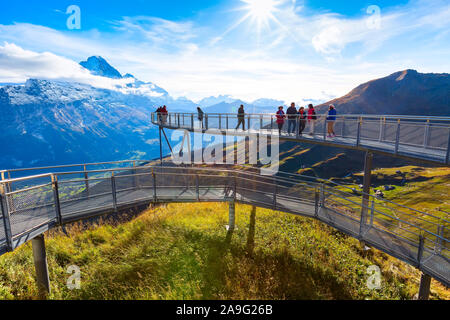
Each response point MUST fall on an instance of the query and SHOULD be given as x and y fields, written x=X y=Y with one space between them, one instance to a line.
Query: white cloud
x=310 y=56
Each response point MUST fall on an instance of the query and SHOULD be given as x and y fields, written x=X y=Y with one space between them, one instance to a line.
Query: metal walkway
x=34 y=204
x=415 y=138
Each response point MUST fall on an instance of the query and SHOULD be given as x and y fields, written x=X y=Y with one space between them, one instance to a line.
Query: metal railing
x=426 y=138
x=32 y=205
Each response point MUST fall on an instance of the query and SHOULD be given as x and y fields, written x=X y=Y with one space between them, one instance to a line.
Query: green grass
x=183 y=251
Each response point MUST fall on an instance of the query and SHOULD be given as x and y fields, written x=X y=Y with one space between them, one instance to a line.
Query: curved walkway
x=415 y=138
x=35 y=204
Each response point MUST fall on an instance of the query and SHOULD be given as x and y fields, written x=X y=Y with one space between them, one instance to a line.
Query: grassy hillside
x=183 y=251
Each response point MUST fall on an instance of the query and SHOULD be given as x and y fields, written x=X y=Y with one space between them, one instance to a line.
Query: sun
x=261 y=11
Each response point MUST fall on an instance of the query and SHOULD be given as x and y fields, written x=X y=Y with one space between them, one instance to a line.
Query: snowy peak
x=100 y=67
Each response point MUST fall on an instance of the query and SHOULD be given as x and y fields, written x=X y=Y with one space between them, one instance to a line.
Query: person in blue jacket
x=331 y=119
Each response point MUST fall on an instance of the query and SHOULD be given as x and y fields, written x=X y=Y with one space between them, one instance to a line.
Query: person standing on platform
x=302 y=120
x=312 y=117
x=292 y=118
x=280 y=119
x=241 y=117
x=331 y=119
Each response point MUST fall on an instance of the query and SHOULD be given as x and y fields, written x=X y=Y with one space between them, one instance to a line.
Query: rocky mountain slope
x=406 y=92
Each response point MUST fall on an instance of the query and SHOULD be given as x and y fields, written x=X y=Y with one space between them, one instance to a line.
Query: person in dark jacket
x=292 y=118
x=331 y=119
x=200 y=116
x=302 y=120
x=241 y=117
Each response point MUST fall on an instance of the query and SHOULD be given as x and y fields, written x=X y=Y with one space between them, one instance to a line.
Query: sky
x=290 y=50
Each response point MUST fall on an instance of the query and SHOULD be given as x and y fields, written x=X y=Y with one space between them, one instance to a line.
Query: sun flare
x=262 y=11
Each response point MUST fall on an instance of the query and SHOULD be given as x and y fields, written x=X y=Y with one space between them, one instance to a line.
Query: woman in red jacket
x=280 y=118
x=312 y=119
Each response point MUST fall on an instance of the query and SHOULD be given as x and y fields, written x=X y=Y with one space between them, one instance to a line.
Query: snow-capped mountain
x=55 y=122
x=99 y=66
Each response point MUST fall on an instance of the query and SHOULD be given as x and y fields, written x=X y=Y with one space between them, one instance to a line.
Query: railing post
x=447 y=157
x=179 y=122
x=325 y=129
x=135 y=177
x=366 y=190
x=228 y=127
x=271 y=123
x=192 y=122
x=86 y=181
x=275 y=193
x=261 y=122
x=114 y=194
x=317 y=199
x=372 y=212
x=397 y=138
x=235 y=187
x=343 y=127
x=206 y=122
x=6 y=218
x=56 y=198
x=220 y=122
x=426 y=134
x=380 y=138
x=439 y=237
x=40 y=265
x=420 y=250
x=249 y=122
x=197 y=187
x=358 y=134
x=297 y=127
x=155 y=197
x=322 y=196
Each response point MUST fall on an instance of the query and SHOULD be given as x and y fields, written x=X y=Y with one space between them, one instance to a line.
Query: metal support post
x=232 y=216
x=425 y=286
x=40 y=265
x=6 y=220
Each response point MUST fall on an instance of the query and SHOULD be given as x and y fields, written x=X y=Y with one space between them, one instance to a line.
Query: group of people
x=296 y=119
x=300 y=117
x=162 y=114
x=303 y=117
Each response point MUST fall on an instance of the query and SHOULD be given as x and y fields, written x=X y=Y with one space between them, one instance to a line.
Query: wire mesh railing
x=415 y=136
x=416 y=237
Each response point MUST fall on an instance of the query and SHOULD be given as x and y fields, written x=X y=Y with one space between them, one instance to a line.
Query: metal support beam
x=366 y=191
x=425 y=285
x=40 y=265
x=232 y=216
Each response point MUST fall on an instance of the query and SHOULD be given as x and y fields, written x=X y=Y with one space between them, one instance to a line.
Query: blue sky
x=282 y=49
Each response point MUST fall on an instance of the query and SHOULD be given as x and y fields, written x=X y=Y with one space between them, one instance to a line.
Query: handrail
x=407 y=230
x=422 y=138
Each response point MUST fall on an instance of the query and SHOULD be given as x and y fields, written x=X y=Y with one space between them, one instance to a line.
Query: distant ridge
x=100 y=67
x=405 y=92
